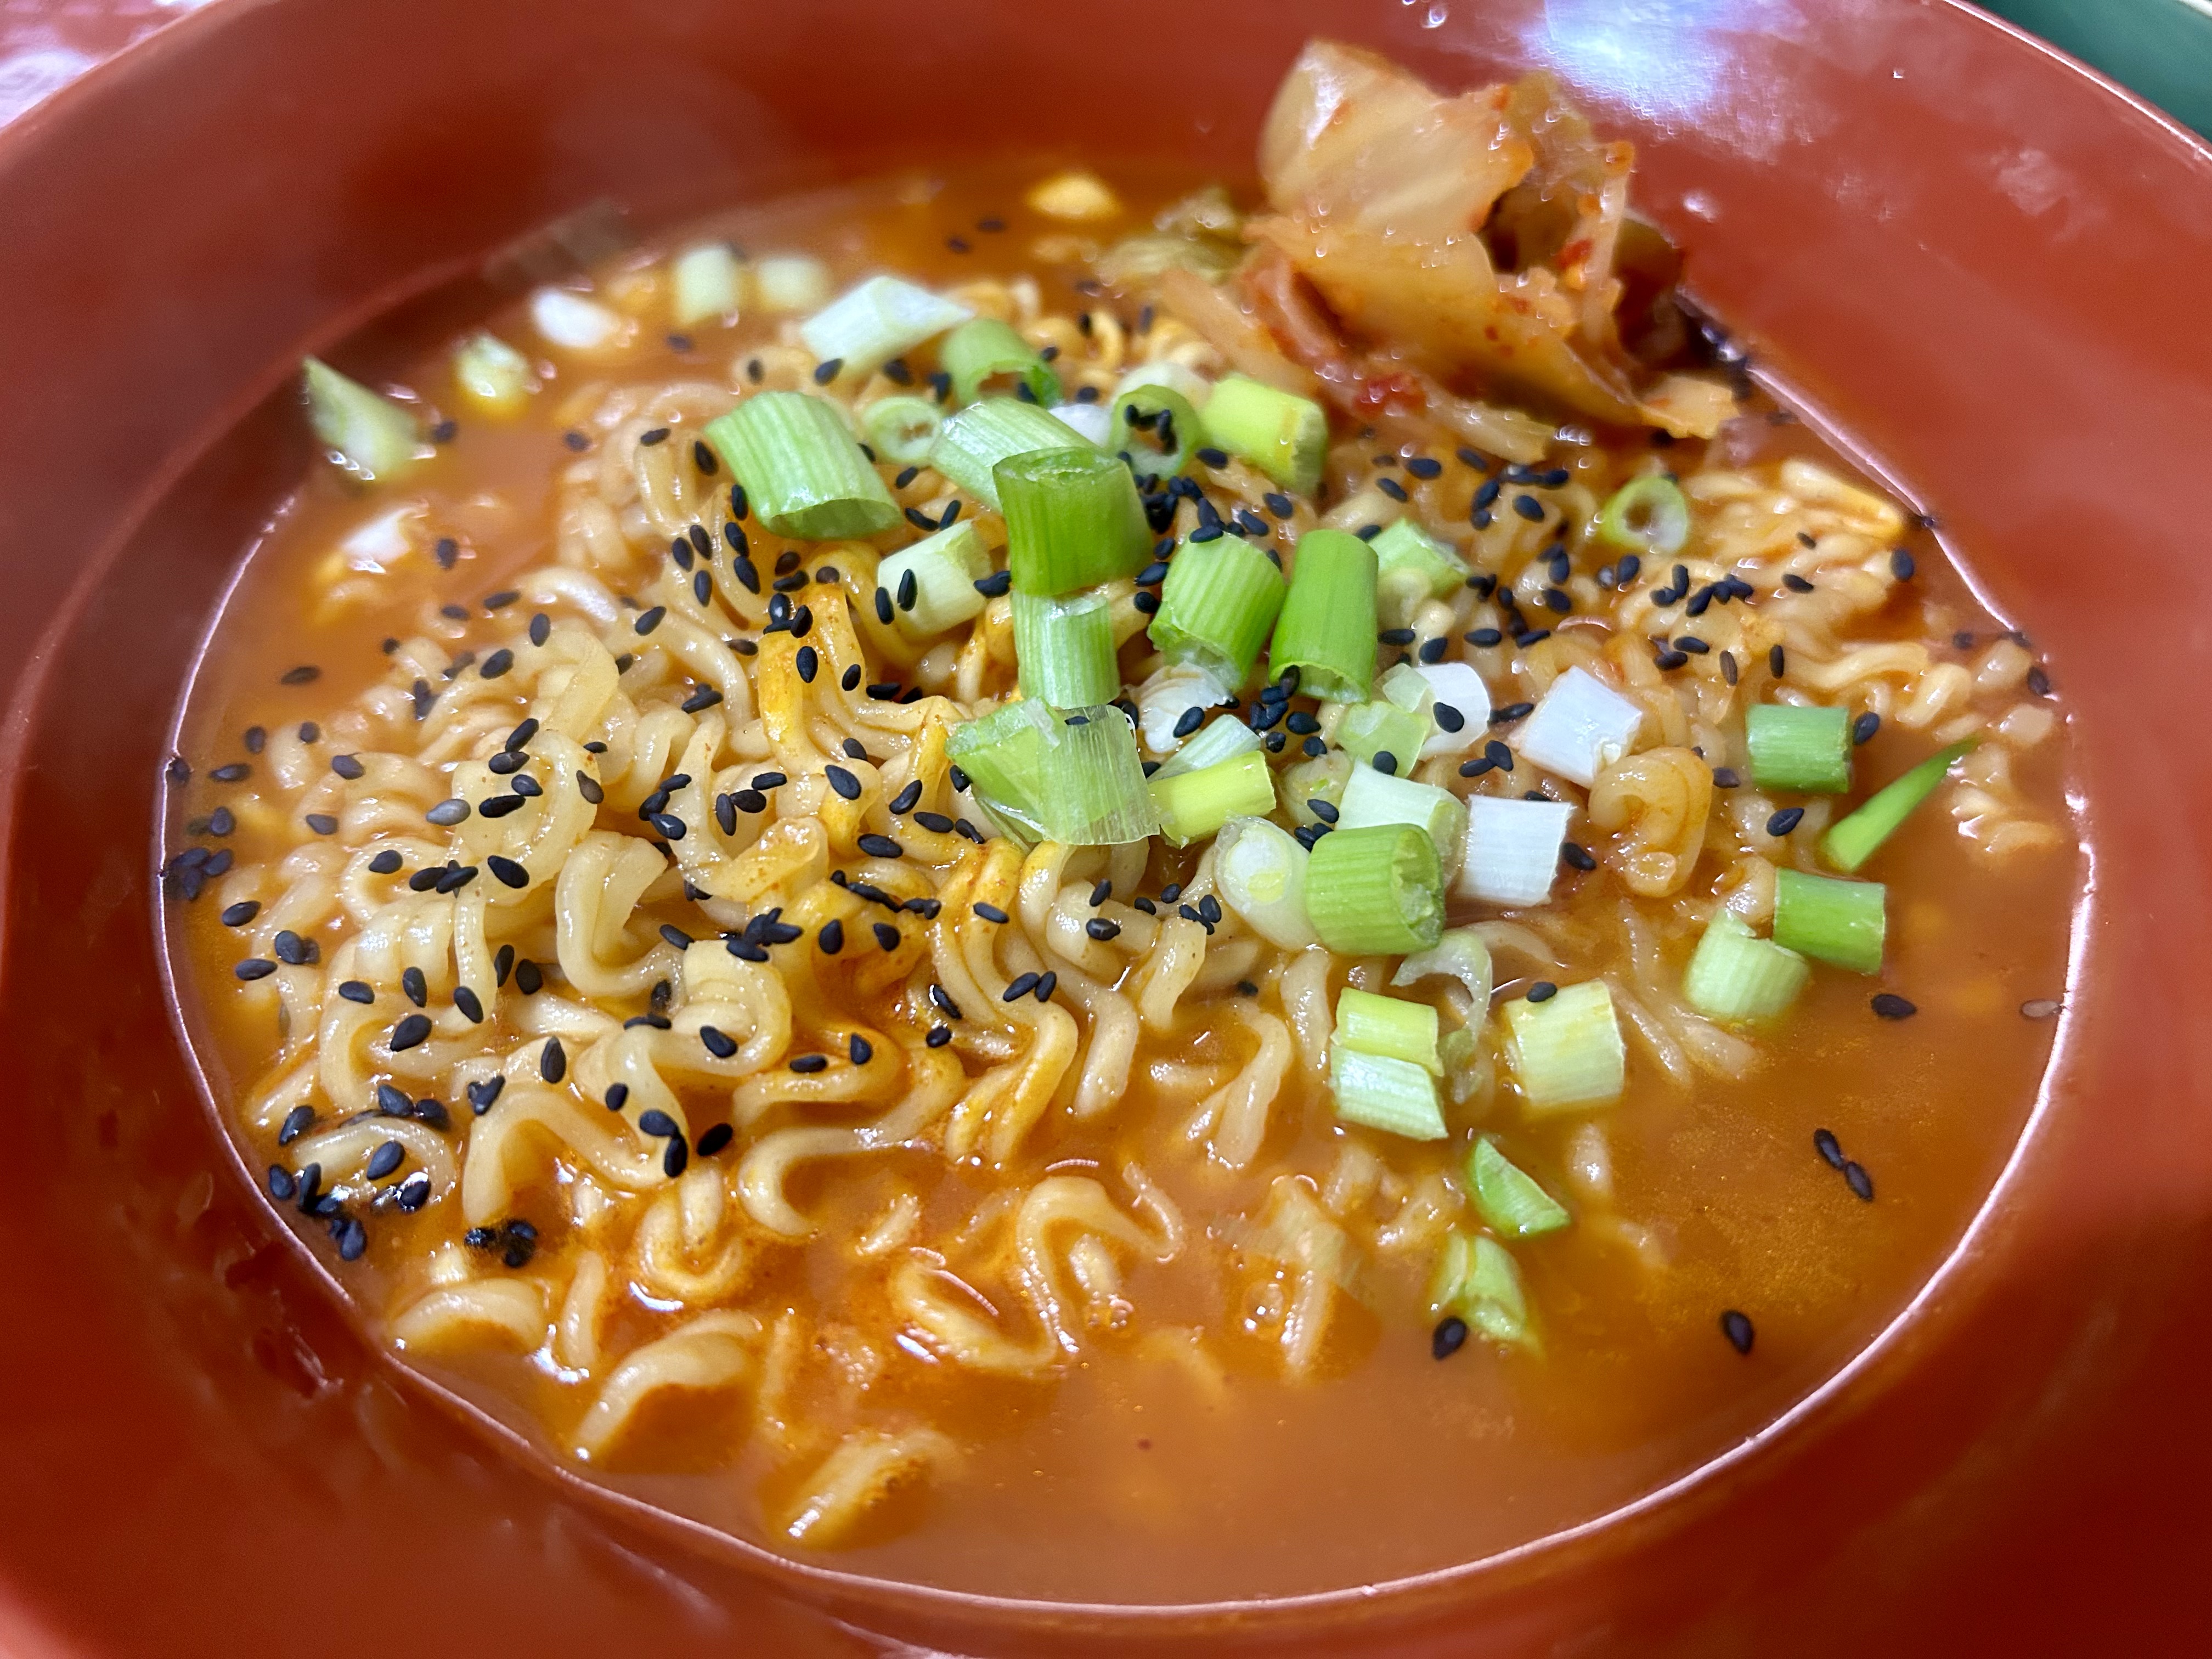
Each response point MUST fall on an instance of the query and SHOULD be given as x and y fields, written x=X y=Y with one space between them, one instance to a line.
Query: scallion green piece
x=1649 y=516
x=709 y=280
x=1064 y=648
x=977 y=439
x=1284 y=435
x=945 y=567
x=1156 y=428
x=1476 y=1278
x=1193 y=804
x=1805 y=750
x=803 y=472
x=865 y=328
x=1411 y=566
x=1507 y=1197
x=1566 y=1050
x=1735 y=976
x=1843 y=922
x=1218 y=601
x=980 y=350
x=1071 y=776
x=1327 y=628
x=1850 y=842
x=1378 y=891
x=1371 y=797
x=1461 y=954
x=1379 y=1092
x=1217 y=740
x=1323 y=778
x=901 y=429
x=1380 y=726
x=1262 y=870
x=370 y=435
x=1393 y=1026
x=492 y=374
x=1073 y=520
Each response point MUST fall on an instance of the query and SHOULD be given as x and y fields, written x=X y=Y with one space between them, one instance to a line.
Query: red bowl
x=1990 y=270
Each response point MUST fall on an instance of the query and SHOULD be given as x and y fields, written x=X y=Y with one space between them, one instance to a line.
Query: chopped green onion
x=1371 y=797
x=1218 y=601
x=1327 y=628
x=1411 y=566
x=1839 y=922
x=901 y=429
x=977 y=439
x=1261 y=871
x=1512 y=850
x=1581 y=726
x=1064 y=648
x=1853 y=841
x=1375 y=890
x=1323 y=778
x=373 y=436
x=1649 y=516
x=1378 y=1092
x=1807 y=750
x=1567 y=1051
x=1156 y=428
x=866 y=328
x=1073 y=520
x=945 y=567
x=1507 y=1197
x=803 y=472
x=1458 y=1050
x=1734 y=974
x=1089 y=421
x=1476 y=1278
x=982 y=349
x=1392 y=1026
x=569 y=320
x=1194 y=387
x=1382 y=727
x=1459 y=954
x=1406 y=687
x=1216 y=741
x=1284 y=435
x=791 y=281
x=1072 y=777
x=1192 y=805
x=493 y=374
x=709 y=280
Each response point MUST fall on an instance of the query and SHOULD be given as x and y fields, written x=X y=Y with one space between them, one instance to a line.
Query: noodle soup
x=1038 y=882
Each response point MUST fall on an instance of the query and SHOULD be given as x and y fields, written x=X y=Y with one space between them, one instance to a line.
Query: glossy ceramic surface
x=1993 y=273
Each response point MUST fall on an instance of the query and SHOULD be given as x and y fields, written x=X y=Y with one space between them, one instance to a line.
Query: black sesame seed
x=1865 y=726
x=1724 y=777
x=990 y=912
x=1577 y=857
x=998 y=582
x=1777 y=662
x=388 y=1156
x=2038 y=681
x=904 y=800
x=887 y=937
x=880 y=846
x=1018 y=988
x=1737 y=1329
x=1542 y=991
x=1101 y=929
x=355 y=990
x=238 y=915
x=1782 y=822
x=254 y=968
x=1901 y=565
x=552 y=1061
x=448 y=812
x=482 y=1094
x=1860 y=1183
x=840 y=780
x=529 y=977
x=236 y=771
x=1890 y=1006
x=410 y=1031
x=805 y=1064
x=1448 y=1337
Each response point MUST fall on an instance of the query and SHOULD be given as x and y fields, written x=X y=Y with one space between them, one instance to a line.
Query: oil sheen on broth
x=1011 y=1313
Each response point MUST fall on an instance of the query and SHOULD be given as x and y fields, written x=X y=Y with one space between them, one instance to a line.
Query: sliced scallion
x=1411 y=566
x=1566 y=1050
x=1393 y=1026
x=1216 y=607
x=1156 y=427
x=868 y=326
x=803 y=472
x=1284 y=435
x=1327 y=627
x=370 y=435
x=1507 y=1197
x=1380 y=726
x=903 y=430
x=492 y=374
x=1735 y=976
x=1379 y=1092
x=791 y=281
x=1216 y=741
x=1459 y=954
x=977 y=439
x=983 y=350
x=945 y=567
x=1512 y=849
x=1193 y=804
x=1476 y=1278
x=1649 y=516
x=708 y=280
x=1376 y=890
x=1371 y=797
x=1803 y=749
x=1261 y=871
x=1581 y=726
x=1850 y=842
x=1064 y=648
x=1071 y=776
x=1321 y=778
x=1090 y=421
x=1843 y=922
x=1073 y=520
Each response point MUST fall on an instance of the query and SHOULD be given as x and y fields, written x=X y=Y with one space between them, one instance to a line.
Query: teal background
x=2161 y=49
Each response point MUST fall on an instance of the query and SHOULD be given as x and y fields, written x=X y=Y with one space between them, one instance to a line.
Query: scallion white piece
x=1476 y=1278
x=1168 y=695
x=791 y=281
x=902 y=428
x=1219 y=739
x=867 y=325
x=1512 y=848
x=1456 y=692
x=1461 y=954
x=1188 y=383
x=368 y=434
x=1379 y=1092
x=945 y=567
x=574 y=322
x=1581 y=727
x=1093 y=420
x=1567 y=1051
x=492 y=374
x=1507 y=1197
x=709 y=282
x=1371 y=797
x=1411 y=566
x=1735 y=976
x=1261 y=871
x=1397 y=1027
